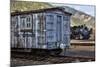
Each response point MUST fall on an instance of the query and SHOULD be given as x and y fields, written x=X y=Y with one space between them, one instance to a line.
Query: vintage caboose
x=43 y=29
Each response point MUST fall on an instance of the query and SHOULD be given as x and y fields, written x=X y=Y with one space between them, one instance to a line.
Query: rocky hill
x=78 y=17
x=28 y=5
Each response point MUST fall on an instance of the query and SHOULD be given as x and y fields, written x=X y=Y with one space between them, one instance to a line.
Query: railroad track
x=78 y=58
x=57 y=58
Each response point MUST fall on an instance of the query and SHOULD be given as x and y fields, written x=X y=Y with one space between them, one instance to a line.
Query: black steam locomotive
x=81 y=32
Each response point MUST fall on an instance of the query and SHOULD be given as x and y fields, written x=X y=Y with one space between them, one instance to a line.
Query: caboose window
x=28 y=25
x=28 y=19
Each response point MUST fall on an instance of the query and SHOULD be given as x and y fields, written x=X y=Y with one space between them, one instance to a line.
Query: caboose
x=44 y=29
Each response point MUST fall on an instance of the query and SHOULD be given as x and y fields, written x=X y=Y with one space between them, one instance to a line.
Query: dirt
x=85 y=51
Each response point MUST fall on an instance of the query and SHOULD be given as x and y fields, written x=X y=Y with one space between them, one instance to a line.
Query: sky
x=88 y=9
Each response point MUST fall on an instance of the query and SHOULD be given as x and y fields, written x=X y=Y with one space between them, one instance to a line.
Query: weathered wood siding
x=46 y=30
x=57 y=30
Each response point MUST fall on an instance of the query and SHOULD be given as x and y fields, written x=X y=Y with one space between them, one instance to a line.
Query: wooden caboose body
x=42 y=29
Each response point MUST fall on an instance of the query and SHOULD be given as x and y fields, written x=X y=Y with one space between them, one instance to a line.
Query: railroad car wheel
x=55 y=52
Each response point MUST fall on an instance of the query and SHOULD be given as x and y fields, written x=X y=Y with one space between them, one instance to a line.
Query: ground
x=74 y=50
x=86 y=51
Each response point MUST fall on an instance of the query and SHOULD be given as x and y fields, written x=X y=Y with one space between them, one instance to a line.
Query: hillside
x=78 y=17
x=28 y=5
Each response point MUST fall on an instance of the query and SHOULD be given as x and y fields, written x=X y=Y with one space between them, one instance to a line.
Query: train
x=81 y=32
x=40 y=31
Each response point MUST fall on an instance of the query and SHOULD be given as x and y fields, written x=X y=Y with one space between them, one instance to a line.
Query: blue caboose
x=47 y=29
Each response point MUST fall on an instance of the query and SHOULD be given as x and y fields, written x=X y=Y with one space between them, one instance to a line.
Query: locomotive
x=81 y=32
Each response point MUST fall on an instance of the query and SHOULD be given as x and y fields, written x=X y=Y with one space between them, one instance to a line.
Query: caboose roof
x=41 y=10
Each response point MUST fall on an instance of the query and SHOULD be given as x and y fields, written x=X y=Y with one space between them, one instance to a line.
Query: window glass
x=28 y=21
